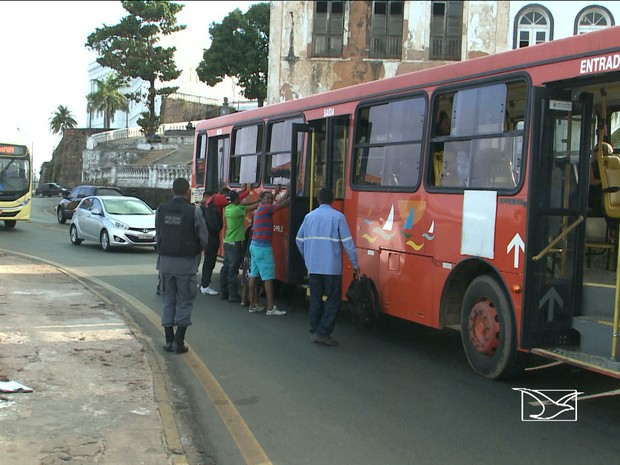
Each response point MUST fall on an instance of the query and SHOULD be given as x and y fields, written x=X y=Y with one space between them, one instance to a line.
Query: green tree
x=108 y=98
x=130 y=48
x=239 y=49
x=61 y=120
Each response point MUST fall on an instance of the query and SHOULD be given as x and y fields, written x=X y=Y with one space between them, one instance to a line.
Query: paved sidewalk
x=96 y=397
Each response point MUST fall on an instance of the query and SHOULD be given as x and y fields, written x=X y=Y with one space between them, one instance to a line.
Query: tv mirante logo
x=548 y=404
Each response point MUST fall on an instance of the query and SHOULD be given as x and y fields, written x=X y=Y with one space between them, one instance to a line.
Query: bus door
x=216 y=163
x=318 y=159
x=556 y=218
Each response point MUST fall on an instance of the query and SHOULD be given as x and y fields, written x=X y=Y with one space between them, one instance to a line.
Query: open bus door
x=318 y=162
x=216 y=167
x=557 y=212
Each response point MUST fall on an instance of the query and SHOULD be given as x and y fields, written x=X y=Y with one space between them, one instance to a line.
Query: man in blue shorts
x=261 y=249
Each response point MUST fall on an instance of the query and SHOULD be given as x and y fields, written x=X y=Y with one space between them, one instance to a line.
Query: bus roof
x=591 y=44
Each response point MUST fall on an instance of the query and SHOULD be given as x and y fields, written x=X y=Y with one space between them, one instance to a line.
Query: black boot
x=169 y=346
x=180 y=338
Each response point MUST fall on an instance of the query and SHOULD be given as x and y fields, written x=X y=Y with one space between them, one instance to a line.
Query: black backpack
x=213 y=220
x=363 y=300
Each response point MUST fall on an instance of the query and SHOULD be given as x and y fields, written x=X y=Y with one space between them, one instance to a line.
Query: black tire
x=59 y=216
x=104 y=240
x=9 y=224
x=73 y=235
x=488 y=330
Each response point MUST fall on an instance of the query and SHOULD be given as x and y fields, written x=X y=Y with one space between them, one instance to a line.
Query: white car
x=113 y=221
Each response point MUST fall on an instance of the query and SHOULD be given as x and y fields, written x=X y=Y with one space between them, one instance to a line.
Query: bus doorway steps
x=597 y=363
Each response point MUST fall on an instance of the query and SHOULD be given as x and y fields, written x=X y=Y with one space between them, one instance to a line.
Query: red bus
x=466 y=190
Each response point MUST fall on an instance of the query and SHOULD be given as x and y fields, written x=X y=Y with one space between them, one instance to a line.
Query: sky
x=45 y=63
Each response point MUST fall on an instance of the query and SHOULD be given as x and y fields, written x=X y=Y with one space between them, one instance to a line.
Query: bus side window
x=449 y=176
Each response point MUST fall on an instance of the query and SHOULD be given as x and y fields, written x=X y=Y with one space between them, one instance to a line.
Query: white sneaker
x=258 y=308
x=208 y=291
x=276 y=312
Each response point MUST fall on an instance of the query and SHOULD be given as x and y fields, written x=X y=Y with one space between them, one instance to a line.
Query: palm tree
x=108 y=98
x=61 y=120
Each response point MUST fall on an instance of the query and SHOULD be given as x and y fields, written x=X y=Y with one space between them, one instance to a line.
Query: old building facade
x=317 y=46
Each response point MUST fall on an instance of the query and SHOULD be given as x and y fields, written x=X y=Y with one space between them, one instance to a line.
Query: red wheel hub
x=484 y=327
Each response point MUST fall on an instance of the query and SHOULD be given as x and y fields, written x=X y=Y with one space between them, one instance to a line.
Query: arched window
x=593 y=18
x=533 y=25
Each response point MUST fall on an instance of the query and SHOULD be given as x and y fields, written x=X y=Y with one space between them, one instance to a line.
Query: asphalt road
x=254 y=389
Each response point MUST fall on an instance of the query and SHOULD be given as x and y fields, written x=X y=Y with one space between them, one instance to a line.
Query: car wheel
x=73 y=235
x=105 y=241
x=59 y=216
x=8 y=224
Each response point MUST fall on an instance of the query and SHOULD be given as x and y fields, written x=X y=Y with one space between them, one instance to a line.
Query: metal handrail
x=559 y=237
x=614 y=338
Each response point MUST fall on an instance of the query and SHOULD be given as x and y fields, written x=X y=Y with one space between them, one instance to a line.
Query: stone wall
x=65 y=168
x=177 y=110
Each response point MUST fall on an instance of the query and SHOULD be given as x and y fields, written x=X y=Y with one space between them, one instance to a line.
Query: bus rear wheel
x=488 y=330
x=8 y=224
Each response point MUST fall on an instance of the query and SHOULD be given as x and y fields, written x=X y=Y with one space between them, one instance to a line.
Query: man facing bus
x=219 y=201
x=320 y=239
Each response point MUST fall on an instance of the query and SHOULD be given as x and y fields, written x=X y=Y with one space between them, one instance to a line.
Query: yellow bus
x=15 y=182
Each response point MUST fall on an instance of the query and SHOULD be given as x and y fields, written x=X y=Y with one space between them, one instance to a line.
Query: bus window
x=388 y=144
x=483 y=149
x=201 y=159
x=245 y=158
x=216 y=164
x=14 y=175
x=479 y=111
x=278 y=155
x=340 y=140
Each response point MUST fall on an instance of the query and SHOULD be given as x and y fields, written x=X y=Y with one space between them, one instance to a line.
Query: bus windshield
x=14 y=175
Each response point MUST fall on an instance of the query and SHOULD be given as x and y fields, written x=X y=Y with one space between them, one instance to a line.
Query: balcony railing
x=142 y=176
x=327 y=45
x=386 y=47
x=443 y=48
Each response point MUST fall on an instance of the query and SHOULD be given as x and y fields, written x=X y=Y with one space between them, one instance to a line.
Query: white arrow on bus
x=552 y=297
x=516 y=243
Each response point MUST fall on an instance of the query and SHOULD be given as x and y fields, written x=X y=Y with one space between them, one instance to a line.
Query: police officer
x=181 y=236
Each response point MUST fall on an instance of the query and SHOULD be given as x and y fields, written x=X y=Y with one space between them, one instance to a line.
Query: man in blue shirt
x=320 y=239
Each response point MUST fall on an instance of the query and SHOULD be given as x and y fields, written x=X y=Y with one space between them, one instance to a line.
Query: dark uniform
x=181 y=235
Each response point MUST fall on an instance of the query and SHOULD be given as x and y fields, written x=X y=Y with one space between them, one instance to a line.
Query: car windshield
x=125 y=206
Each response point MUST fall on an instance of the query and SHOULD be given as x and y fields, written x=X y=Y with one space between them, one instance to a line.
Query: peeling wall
x=294 y=73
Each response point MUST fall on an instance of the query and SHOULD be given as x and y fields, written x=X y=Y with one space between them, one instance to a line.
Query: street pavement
x=98 y=392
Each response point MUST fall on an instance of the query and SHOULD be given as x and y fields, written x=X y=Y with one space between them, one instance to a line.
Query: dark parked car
x=49 y=189
x=66 y=207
